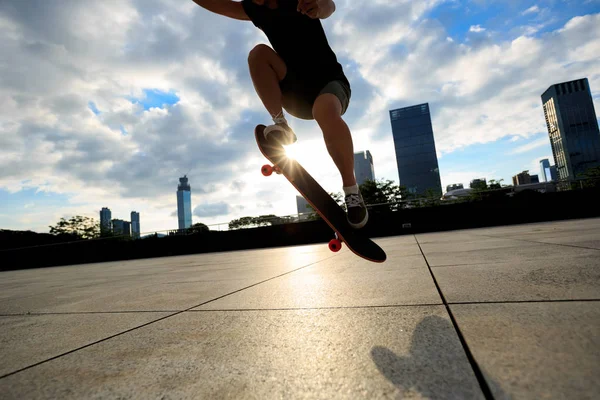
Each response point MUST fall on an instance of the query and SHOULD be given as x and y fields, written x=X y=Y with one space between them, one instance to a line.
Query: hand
x=310 y=7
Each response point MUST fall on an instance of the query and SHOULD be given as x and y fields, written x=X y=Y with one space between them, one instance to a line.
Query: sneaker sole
x=361 y=224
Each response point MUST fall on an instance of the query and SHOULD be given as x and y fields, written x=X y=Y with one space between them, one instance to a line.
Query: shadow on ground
x=436 y=367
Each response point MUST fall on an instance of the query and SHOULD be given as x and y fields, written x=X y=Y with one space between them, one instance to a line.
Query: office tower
x=105 y=217
x=415 y=149
x=478 y=184
x=121 y=228
x=545 y=170
x=302 y=205
x=521 y=179
x=572 y=127
x=534 y=179
x=135 y=224
x=363 y=167
x=184 y=203
x=553 y=173
x=454 y=186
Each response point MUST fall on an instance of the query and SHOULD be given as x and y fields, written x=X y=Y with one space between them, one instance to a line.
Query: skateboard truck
x=267 y=169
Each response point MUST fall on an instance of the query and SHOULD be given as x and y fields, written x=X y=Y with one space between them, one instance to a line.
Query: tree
x=198 y=229
x=263 y=220
x=81 y=227
x=591 y=176
x=383 y=192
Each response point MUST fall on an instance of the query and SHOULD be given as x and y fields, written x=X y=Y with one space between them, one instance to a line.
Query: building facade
x=454 y=186
x=572 y=127
x=105 y=221
x=121 y=228
x=414 y=143
x=521 y=179
x=184 y=203
x=135 y=225
x=363 y=167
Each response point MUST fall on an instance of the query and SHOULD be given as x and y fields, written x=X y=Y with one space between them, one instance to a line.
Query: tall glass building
x=105 y=221
x=415 y=149
x=363 y=167
x=572 y=127
x=545 y=170
x=135 y=224
x=184 y=203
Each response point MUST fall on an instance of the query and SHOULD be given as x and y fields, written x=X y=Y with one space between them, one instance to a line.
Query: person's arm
x=228 y=8
x=321 y=9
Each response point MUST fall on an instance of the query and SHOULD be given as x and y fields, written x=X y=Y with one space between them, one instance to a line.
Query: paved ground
x=510 y=312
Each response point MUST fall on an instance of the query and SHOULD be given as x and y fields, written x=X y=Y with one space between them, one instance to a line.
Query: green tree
x=263 y=220
x=384 y=192
x=82 y=227
x=592 y=176
x=198 y=229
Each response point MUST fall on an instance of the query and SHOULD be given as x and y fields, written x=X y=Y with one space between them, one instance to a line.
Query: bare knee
x=327 y=110
x=259 y=54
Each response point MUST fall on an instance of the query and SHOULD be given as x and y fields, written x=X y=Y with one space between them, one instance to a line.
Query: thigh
x=264 y=54
x=338 y=89
x=297 y=96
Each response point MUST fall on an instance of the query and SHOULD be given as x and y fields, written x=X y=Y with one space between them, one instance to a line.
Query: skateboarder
x=301 y=74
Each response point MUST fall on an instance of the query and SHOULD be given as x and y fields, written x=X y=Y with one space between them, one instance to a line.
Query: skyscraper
x=105 y=221
x=363 y=167
x=302 y=205
x=415 y=149
x=121 y=228
x=572 y=127
x=184 y=203
x=135 y=224
x=545 y=170
x=521 y=179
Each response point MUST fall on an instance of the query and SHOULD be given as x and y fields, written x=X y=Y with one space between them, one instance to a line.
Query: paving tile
x=29 y=339
x=346 y=281
x=163 y=284
x=375 y=353
x=575 y=276
x=548 y=350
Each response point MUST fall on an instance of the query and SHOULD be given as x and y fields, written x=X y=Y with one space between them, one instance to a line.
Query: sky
x=108 y=103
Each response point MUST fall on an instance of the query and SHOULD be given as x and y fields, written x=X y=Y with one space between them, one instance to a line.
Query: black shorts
x=298 y=98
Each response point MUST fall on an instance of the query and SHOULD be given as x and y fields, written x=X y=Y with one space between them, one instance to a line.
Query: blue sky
x=107 y=117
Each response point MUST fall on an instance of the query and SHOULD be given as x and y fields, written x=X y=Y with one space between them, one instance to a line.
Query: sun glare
x=292 y=151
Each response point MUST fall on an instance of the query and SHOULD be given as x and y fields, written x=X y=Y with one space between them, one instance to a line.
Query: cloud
x=476 y=28
x=212 y=210
x=531 y=146
x=531 y=10
x=78 y=73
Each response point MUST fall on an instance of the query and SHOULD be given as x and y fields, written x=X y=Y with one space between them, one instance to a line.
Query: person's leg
x=328 y=111
x=267 y=70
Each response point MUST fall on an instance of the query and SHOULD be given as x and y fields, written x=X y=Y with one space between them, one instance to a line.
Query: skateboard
x=318 y=198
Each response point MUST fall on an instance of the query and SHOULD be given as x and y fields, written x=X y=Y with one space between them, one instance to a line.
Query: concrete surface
x=507 y=312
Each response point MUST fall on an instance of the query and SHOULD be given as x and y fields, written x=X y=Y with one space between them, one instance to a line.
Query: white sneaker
x=280 y=132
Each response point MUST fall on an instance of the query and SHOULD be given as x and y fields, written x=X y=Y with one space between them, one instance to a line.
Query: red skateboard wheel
x=335 y=245
x=266 y=170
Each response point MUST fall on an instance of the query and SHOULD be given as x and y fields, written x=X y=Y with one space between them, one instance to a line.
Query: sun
x=292 y=151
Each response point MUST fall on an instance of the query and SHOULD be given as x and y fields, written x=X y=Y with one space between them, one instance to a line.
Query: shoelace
x=353 y=200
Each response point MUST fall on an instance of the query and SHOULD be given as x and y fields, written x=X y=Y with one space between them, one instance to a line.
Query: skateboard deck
x=318 y=198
